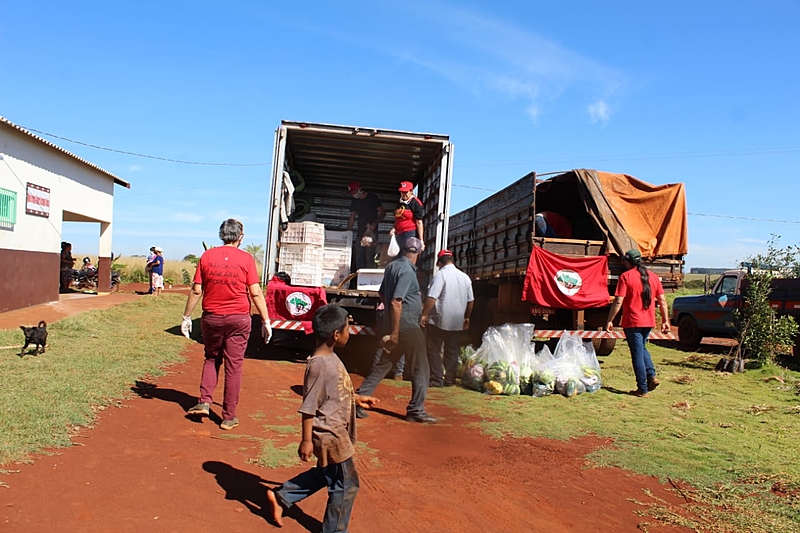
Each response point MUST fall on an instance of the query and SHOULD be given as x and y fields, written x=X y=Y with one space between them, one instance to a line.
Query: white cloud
x=186 y=217
x=599 y=112
x=493 y=57
x=135 y=168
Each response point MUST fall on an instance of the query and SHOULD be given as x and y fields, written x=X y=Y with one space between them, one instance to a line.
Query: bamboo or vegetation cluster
x=763 y=335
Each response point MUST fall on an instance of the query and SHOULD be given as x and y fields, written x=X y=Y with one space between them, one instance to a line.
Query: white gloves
x=266 y=331
x=186 y=326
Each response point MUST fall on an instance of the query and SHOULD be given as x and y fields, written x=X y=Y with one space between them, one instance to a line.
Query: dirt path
x=146 y=467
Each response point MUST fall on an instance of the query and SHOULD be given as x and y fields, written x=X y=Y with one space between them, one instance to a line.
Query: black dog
x=35 y=335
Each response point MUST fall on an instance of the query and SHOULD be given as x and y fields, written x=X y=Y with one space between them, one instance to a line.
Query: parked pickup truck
x=711 y=314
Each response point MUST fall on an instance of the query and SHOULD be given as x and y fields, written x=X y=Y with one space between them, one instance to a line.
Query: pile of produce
x=507 y=363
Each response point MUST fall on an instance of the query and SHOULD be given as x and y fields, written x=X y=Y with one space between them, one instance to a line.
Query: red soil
x=146 y=467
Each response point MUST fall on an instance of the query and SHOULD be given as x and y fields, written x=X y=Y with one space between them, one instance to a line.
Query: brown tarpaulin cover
x=632 y=213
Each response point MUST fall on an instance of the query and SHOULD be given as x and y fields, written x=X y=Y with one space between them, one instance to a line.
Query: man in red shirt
x=226 y=278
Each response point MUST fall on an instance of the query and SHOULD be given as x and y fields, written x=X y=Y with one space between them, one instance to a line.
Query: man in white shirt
x=445 y=316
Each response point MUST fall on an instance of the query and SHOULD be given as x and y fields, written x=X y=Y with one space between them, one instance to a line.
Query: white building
x=41 y=187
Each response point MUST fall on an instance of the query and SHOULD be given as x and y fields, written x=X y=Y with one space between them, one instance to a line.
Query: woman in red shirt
x=226 y=278
x=636 y=290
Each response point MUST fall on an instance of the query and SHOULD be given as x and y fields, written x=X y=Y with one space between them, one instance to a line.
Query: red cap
x=353 y=187
x=406 y=186
x=444 y=253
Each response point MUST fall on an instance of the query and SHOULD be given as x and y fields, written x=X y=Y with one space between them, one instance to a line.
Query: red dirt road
x=146 y=467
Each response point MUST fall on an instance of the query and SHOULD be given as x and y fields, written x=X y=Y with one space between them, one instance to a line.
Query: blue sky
x=704 y=93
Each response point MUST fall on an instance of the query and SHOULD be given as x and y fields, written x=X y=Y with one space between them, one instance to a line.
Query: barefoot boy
x=329 y=427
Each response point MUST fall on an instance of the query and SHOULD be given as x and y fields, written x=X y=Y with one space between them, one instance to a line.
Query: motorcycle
x=86 y=277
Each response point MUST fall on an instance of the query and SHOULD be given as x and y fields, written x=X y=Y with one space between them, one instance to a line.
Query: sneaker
x=361 y=412
x=422 y=418
x=201 y=409
x=638 y=393
x=229 y=424
x=652 y=383
x=398 y=377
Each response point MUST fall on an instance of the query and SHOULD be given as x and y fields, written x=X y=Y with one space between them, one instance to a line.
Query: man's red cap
x=406 y=186
x=353 y=187
x=444 y=253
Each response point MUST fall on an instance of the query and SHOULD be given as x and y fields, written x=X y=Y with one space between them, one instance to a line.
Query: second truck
x=492 y=242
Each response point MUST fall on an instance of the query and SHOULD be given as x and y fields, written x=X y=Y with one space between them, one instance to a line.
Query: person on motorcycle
x=87 y=264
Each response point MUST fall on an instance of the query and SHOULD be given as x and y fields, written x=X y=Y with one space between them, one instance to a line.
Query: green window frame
x=8 y=207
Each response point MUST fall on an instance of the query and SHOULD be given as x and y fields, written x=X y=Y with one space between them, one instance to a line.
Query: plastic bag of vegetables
x=508 y=350
x=590 y=369
x=472 y=367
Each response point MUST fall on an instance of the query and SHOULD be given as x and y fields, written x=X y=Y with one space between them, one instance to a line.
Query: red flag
x=289 y=302
x=554 y=280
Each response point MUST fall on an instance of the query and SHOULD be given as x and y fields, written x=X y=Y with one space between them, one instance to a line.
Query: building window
x=8 y=207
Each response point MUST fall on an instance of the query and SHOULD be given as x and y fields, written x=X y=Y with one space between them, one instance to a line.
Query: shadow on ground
x=251 y=491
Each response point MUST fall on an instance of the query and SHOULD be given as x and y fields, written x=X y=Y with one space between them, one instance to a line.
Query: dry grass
x=132 y=268
x=684 y=379
x=682 y=406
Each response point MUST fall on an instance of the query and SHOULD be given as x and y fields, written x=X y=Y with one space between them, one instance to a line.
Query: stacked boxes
x=301 y=252
x=336 y=257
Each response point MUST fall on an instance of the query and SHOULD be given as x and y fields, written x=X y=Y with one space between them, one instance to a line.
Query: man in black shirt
x=366 y=206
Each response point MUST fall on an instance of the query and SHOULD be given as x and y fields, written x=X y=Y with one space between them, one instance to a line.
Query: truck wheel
x=688 y=332
x=604 y=346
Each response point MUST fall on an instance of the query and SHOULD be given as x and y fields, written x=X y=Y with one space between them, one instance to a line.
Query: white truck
x=312 y=167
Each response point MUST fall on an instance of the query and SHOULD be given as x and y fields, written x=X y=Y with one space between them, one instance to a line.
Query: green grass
x=714 y=431
x=731 y=441
x=91 y=362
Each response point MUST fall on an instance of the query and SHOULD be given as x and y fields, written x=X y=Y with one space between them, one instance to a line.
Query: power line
x=735 y=152
x=148 y=156
x=745 y=218
x=471 y=187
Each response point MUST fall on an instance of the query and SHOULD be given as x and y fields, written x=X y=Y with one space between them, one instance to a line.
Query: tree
x=191 y=258
x=763 y=334
x=256 y=250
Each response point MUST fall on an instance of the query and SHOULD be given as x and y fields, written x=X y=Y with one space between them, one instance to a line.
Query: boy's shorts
x=158 y=281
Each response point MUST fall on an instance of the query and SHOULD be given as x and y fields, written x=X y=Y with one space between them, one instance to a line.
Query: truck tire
x=604 y=346
x=688 y=332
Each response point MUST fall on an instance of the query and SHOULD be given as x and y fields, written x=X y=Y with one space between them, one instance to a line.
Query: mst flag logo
x=298 y=304
x=568 y=281
x=562 y=282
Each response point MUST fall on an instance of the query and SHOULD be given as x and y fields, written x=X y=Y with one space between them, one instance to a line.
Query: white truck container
x=312 y=167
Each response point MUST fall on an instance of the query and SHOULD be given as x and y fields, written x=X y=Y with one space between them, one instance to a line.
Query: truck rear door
x=434 y=192
x=277 y=196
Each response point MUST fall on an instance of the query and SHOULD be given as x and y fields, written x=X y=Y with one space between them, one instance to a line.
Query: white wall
x=74 y=187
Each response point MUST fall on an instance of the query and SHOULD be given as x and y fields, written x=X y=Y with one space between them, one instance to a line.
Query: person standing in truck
x=552 y=224
x=367 y=209
x=637 y=290
x=408 y=216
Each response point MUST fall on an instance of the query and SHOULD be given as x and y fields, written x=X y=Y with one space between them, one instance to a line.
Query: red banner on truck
x=558 y=281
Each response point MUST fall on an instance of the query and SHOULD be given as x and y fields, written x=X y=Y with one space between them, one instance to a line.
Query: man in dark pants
x=367 y=208
x=400 y=294
x=445 y=317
